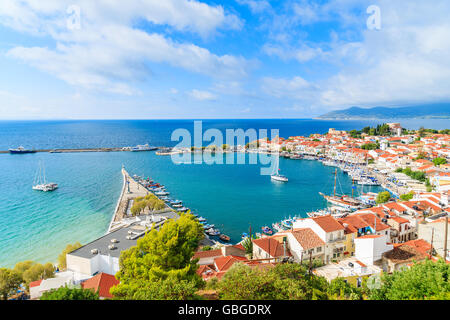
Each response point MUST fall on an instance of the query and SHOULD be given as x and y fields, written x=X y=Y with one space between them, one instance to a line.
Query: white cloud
x=202 y=95
x=407 y=61
x=296 y=87
x=256 y=6
x=107 y=53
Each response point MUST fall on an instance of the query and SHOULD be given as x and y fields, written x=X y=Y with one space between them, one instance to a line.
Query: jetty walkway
x=131 y=189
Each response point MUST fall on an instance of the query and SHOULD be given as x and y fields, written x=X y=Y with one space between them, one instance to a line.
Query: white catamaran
x=275 y=174
x=40 y=182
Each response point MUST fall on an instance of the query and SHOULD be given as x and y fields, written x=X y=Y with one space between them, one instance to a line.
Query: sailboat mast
x=353 y=184
x=45 y=181
x=335 y=177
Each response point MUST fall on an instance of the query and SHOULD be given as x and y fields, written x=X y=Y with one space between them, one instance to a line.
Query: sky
x=175 y=59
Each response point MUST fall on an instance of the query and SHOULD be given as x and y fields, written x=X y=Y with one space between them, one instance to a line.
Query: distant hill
x=430 y=111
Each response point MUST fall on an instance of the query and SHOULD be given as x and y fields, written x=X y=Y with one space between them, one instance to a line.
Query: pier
x=113 y=149
x=130 y=190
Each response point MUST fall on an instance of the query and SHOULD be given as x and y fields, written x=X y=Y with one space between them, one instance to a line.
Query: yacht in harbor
x=276 y=175
x=40 y=182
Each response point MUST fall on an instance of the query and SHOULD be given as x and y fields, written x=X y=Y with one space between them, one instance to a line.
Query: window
x=319 y=249
x=358 y=282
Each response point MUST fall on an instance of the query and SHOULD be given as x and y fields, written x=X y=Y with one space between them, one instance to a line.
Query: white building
x=330 y=231
x=102 y=255
x=370 y=248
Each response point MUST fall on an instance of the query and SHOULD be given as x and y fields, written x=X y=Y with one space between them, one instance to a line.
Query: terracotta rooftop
x=101 y=283
x=328 y=223
x=35 y=283
x=224 y=263
x=207 y=254
x=404 y=254
x=307 y=238
x=271 y=246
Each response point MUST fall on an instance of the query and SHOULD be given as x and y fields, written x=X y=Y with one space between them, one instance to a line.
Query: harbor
x=138 y=187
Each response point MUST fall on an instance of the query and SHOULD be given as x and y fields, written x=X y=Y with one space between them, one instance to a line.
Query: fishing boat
x=267 y=230
x=277 y=227
x=224 y=237
x=318 y=213
x=21 y=150
x=177 y=205
x=276 y=176
x=201 y=219
x=162 y=193
x=295 y=157
x=213 y=232
x=182 y=209
x=40 y=183
x=287 y=223
x=244 y=235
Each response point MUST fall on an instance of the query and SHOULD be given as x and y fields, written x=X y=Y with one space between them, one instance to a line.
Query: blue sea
x=37 y=226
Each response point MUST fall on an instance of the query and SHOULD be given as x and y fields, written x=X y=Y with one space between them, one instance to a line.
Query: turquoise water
x=37 y=226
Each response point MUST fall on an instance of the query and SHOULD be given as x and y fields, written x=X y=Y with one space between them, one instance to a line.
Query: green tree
x=282 y=282
x=10 y=281
x=62 y=257
x=340 y=289
x=439 y=161
x=407 y=196
x=424 y=280
x=383 y=197
x=170 y=288
x=66 y=293
x=31 y=271
x=160 y=255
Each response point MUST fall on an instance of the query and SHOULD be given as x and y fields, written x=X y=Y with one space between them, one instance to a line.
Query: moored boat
x=267 y=230
x=20 y=150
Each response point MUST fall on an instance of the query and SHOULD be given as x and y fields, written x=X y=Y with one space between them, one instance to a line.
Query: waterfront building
x=330 y=231
x=351 y=269
x=405 y=254
x=305 y=244
x=270 y=248
x=434 y=232
x=350 y=233
x=370 y=248
x=37 y=288
x=102 y=254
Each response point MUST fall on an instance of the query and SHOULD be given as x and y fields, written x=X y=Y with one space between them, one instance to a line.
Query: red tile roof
x=35 y=283
x=307 y=238
x=224 y=263
x=328 y=223
x=101 y=283
x=271 y=246
x=370 y=236
x=207 y=254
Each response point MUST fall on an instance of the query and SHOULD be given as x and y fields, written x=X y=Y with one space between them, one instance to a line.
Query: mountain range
x=429 y=111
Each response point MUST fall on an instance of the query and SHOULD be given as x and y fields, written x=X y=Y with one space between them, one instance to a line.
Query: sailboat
x=341 y=201
x=40 y=182
x=276 y=175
